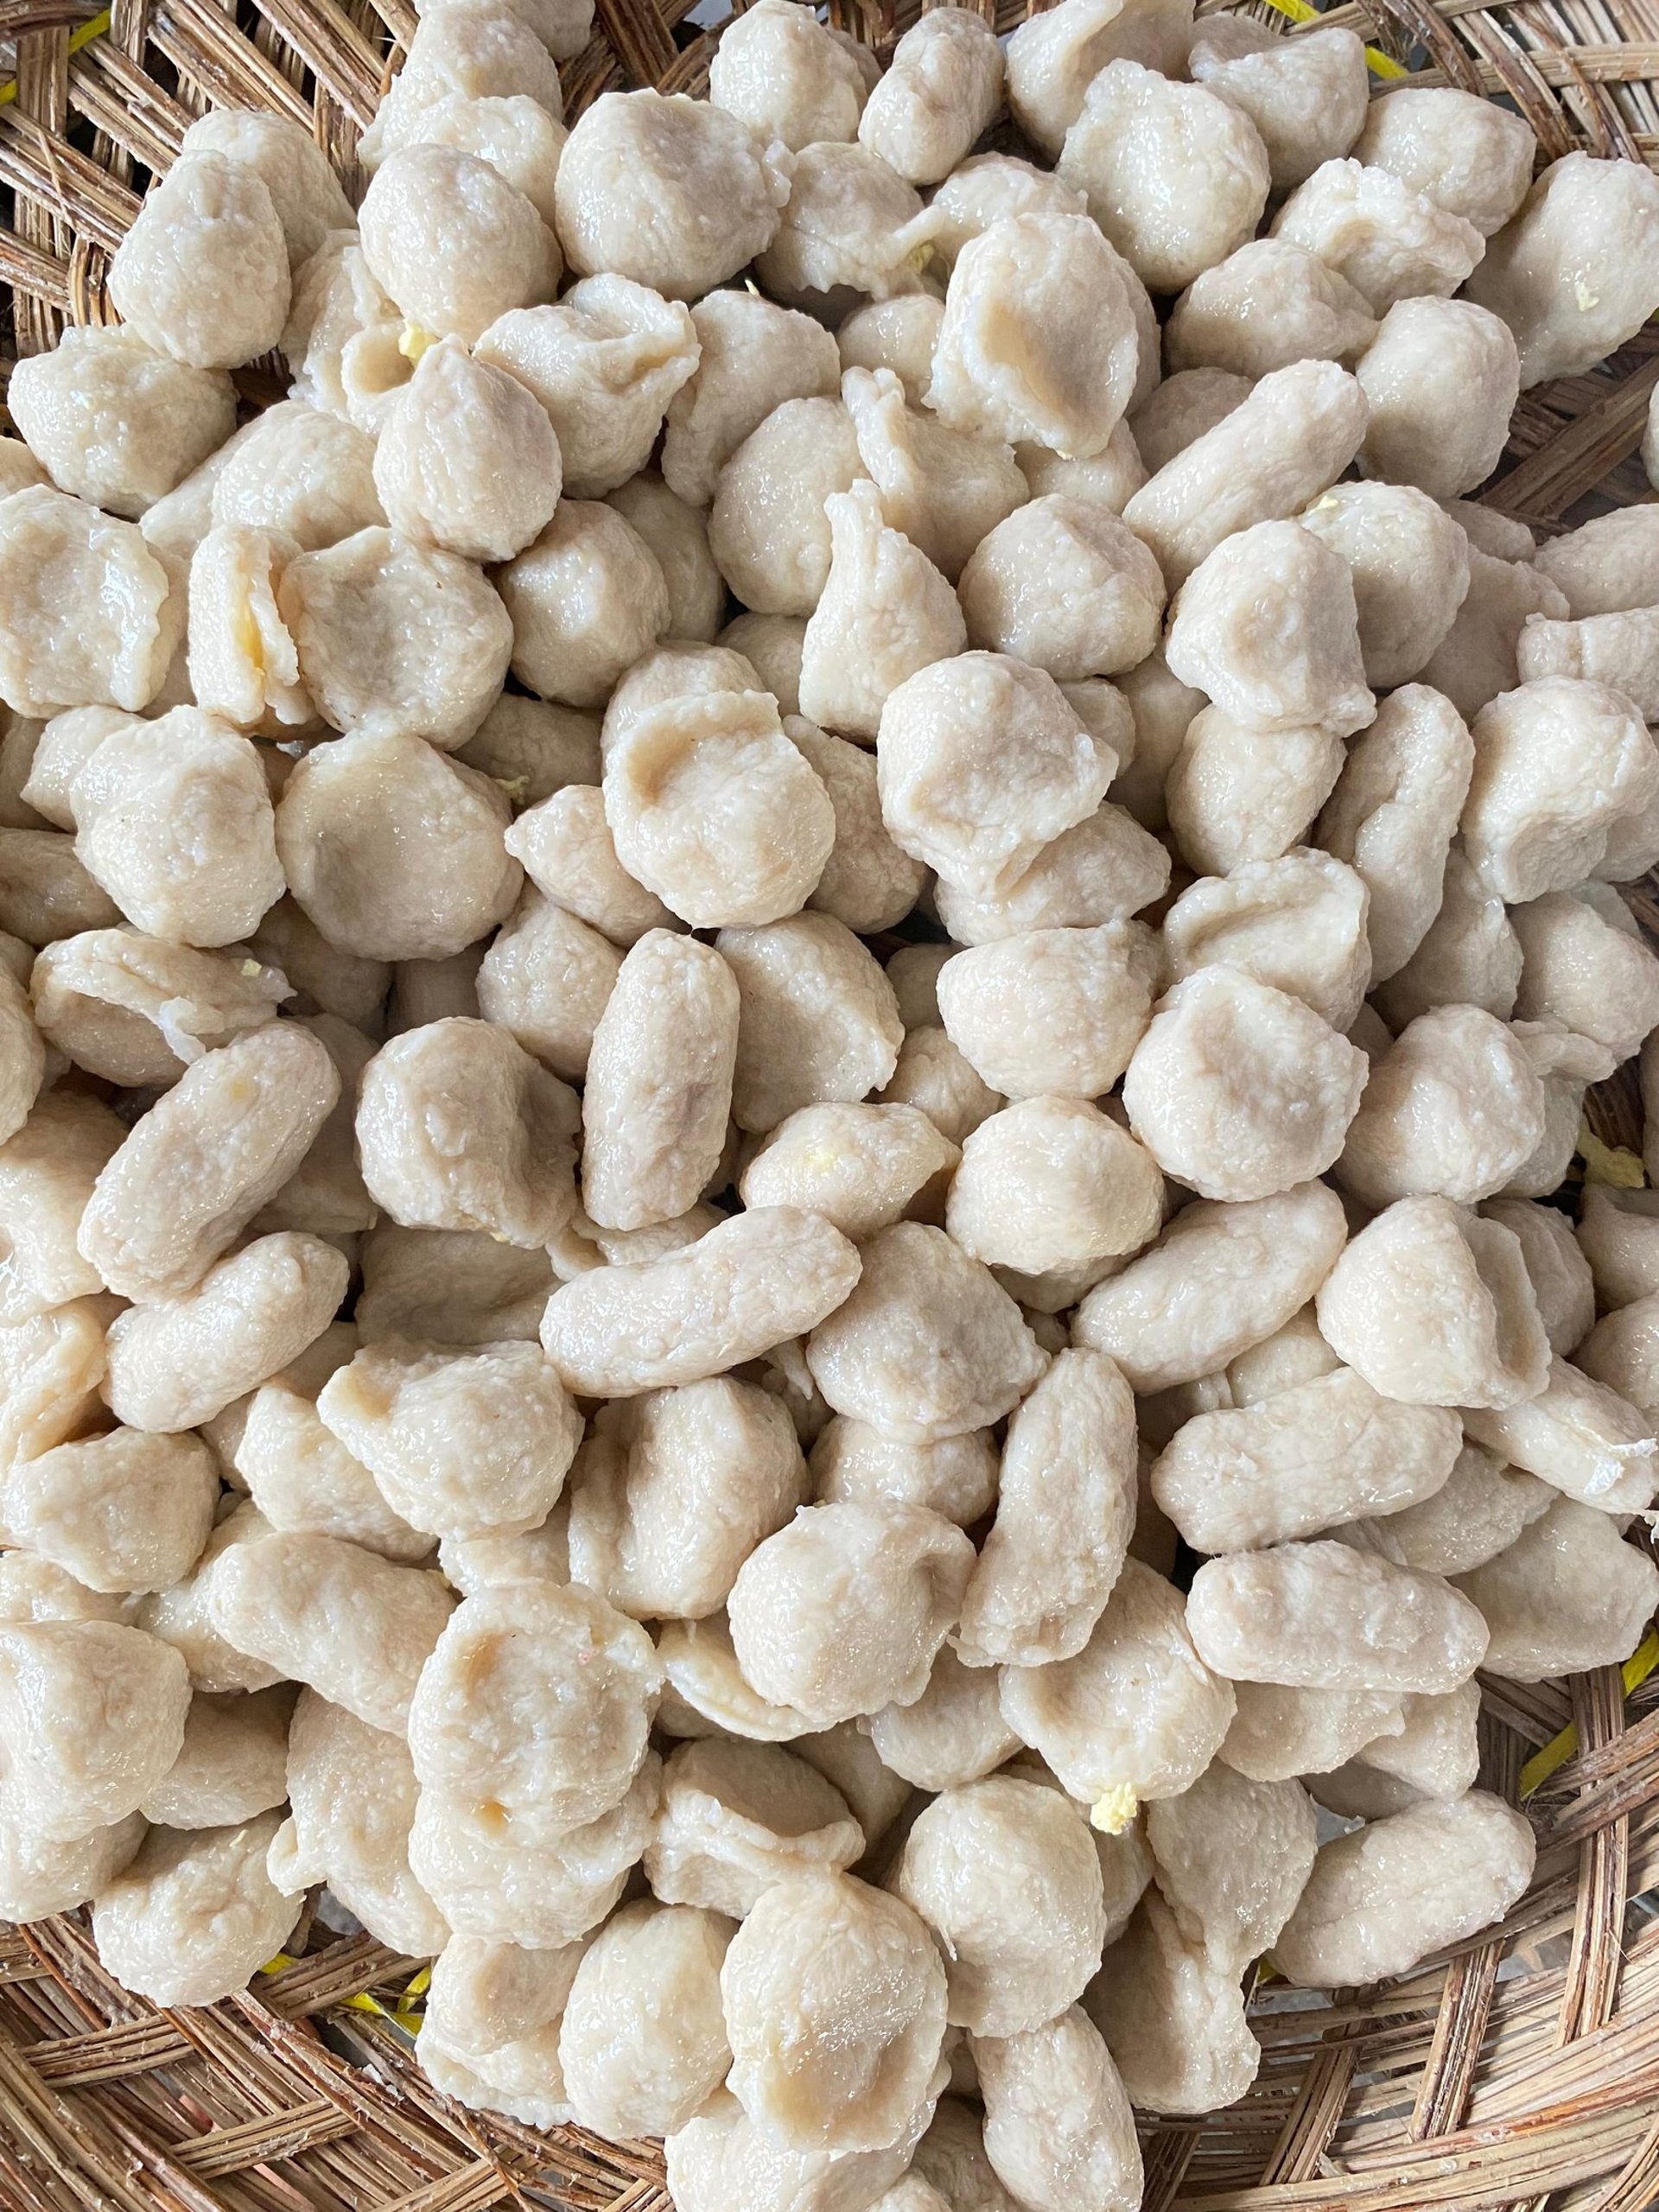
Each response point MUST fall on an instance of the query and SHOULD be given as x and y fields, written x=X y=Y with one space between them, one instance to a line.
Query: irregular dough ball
x=62 y=560
x=94 y=1715
x=1105 y=617
x=884 y=614
x=453 y=243
x=783 y=73
x=1265 y=459
x=953 y=1475
x=1305 y=1456
x=1054 y=57
x=1232 y=1859
x=397 y=638
x=954 y=1733
x=490 y=2032
x=49 y=1169
x=295 y=170
x=982 y=191
x=1566 y=1595
x=674 y=192
x=1410 y=565
x=1059 y=2130
x=1266 y=305
x=948 y=738
x=466 y=459
x=941 y=89
x=203 y=273
x=1239 y=1089
x=175 y=1363
x=393 y=851
x=767 y=529
x=678 y=539
x=1572 y=274
x=1468 y=153
x=1390 y=242
x=459 y=1128
x=1040 y=340
x=1454 y=1109
x=813 y=2061
x=39 y=1877
x=586 y=598
x=545 y=979
x=1007 y=1876
x=1297 y=922
x=354 y=1626
x=867 y=882
x=642 y=2044
x=927 y=1344
x=659 y=1090
x=1307 y=97
x=899 y=334
x=604 y=363
x=1051 y=1009
x=1103 y=869
x=1180 y=410
x=1051 y=1184
x=720 y=2157
x=860 y=1167
x=1135 y=1714
x=1323 y=1616
x=850 y=223
x=1560 y=762
x=1269 y=625
x=1221 y=1278
x=460 y=1443
x=489 y=1884
x=1175 y=177
x=117 y=423
x=1581 y=1436
x=1434 y=1307
x=194 y=1170
x=173 y=818
x=535 y=1706
x=745 y=1284
x=194 y=1915
x=1387 y=1895
x=1065 y=1511
x=295 y=470
x=843 y=1611
x=674 y=1490
x=817 y=1023
x=753 y=356
x=1393 y=813
x=738 y=1816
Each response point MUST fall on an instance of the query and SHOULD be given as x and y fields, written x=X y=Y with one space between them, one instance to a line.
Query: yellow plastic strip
x=1555 y=1753
x=407 y=2020
x=94 y=27
x=1381 y=64
x=1608 y=1164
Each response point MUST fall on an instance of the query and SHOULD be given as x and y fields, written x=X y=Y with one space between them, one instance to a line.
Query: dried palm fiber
x=1522 y=2072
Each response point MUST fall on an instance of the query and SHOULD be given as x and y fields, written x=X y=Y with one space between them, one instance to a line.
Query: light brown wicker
x=1522 y=2072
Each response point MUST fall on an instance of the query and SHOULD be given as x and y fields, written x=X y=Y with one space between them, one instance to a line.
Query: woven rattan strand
x=1524 y=2071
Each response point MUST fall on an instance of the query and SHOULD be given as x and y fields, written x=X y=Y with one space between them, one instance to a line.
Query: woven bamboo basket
x=1520 y=2071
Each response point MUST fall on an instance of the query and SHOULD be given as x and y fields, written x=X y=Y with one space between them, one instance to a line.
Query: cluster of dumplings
x=559 y=1393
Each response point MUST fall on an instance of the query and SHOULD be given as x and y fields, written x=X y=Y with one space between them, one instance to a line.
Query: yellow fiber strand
x=1380 y=65
x=94 y=27
x=1555 y=1753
